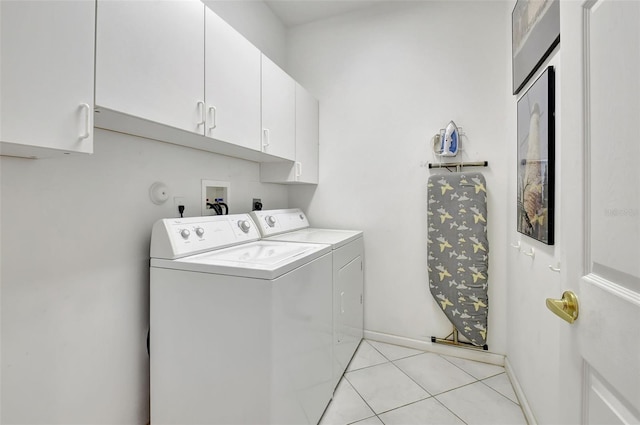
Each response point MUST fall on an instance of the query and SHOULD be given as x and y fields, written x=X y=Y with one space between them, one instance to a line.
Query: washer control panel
x=273 y=222
x=173 y=238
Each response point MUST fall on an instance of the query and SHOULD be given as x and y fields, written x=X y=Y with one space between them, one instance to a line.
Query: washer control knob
x=271 y=220
x=185 y=233
x=244 y=225
x=199 y=231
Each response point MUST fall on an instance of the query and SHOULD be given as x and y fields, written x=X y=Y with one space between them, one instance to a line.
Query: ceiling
x=297 y=12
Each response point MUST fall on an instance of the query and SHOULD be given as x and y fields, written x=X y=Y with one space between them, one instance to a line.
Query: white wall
x=75 y=251
x=388 y=78
x=532 y=330
x=257 y=23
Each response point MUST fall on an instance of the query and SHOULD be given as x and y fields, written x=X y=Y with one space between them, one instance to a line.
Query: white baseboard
x=524 y=404
x=447 y=350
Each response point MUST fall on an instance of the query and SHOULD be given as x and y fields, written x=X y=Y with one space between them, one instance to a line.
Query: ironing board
x=458 y=250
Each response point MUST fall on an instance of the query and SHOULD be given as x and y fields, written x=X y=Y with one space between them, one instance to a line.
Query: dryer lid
x=335 y=237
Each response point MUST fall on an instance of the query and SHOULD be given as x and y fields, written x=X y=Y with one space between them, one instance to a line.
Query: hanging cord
x=217 y=207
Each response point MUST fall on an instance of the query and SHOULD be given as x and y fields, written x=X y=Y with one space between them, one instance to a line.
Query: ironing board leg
x=452 y=339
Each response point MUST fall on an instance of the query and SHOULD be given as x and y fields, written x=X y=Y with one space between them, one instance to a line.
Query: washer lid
x=335 y=237
x=260 y=260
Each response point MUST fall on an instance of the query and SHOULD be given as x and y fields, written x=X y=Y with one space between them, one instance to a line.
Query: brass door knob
x=565 y=308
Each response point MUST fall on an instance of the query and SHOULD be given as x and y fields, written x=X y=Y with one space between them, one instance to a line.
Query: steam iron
x=449 y=140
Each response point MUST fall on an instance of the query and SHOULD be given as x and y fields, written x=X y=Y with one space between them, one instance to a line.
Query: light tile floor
x=392 y=385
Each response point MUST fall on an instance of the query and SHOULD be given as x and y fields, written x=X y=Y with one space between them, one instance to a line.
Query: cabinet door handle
x=265 y=138
x=298 y=169
x=213 y=113
x=87 y=120
x=201 y=108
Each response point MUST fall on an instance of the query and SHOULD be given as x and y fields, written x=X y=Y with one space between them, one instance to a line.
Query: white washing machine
x=240 y=328
x=291 y=225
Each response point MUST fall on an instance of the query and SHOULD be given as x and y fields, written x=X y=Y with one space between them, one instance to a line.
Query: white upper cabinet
x=307 y=136
x=305 y=167
x=150 y=61
x=232 y=85
x=46 y=77
x=278 y=111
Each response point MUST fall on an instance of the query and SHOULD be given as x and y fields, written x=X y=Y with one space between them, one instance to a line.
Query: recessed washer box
x=212 y=190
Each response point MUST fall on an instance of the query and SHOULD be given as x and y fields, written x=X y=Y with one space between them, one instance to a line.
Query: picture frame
x=536 y=159
x=535 y=31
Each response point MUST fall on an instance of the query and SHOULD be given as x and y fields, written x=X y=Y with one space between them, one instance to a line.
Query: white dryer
x=240 y=328
x=292 y=225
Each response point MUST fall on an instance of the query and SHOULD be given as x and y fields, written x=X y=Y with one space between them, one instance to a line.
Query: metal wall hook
x=516 y=245
x=531 y=253
x=555 y=269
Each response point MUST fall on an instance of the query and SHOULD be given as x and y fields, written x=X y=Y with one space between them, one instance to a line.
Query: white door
x=150 y=60
x=600 y=118
x=232 y=84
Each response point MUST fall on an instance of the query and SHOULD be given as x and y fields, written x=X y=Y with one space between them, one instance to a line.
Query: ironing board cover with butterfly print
x=458 y=250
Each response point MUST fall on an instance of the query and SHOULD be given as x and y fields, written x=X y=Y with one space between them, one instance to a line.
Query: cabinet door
x=307 y=135
x=232 y=84
x=150 y=60
x=305 y=167
x=278 y=111
x=46 y=77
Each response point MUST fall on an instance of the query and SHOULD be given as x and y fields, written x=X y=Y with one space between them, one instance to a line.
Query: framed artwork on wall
x=535 y=32
x=536 y=159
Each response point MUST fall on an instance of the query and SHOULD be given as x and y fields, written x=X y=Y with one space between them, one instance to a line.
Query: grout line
x=404 y=405
x=503 y=395
x=378 y=364
x=363 y=341
x=412 y=355
x=444 y=358
x=372 y=346
x=358 y=392
x=414 y=381
x=454 y=389
x=457 y=388
x=418 y=401
x=378 y=414
x=363 y=419
x=366 y=367
x=452 y=412
x=469 y=373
